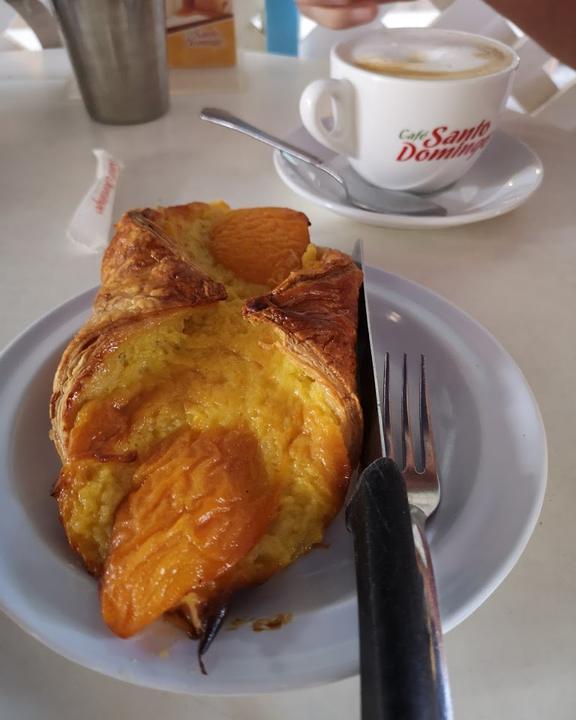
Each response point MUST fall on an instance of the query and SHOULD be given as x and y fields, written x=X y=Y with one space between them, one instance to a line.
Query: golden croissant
x=206 y=415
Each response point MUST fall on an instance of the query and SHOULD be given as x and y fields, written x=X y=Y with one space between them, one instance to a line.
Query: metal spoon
x=352 y=188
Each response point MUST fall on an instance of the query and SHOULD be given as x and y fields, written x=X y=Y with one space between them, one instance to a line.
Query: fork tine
x=426 y=436
x=407 y=449
x=388 y=446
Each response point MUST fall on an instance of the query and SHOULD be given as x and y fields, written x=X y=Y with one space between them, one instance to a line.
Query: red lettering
x=466 y=135
x=472 y=148
x=101 y=199
x=109 y=181
x=436 y=138
x=436 y=148
x=476 y=132
x=485 y=126
x=465 y=149
x=407 y=152
x=443 y=153
x=452 y=138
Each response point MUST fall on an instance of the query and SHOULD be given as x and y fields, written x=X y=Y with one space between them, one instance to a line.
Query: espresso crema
x=432 y=57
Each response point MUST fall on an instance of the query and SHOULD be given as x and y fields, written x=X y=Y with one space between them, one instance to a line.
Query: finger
x=339 y=18
x=342 y=3
x=333 y=3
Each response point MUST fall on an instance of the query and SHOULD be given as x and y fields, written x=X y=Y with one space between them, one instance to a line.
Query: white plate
x=492 y=446
x=504 y=177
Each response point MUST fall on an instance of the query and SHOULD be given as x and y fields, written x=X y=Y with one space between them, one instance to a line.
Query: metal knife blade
x=367 y=377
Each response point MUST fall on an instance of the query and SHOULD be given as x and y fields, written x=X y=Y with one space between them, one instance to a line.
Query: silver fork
x=423 y=489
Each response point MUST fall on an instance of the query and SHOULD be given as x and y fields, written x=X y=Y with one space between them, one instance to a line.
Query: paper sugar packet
x=91 y=223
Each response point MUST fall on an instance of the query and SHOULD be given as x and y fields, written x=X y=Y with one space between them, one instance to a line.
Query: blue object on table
x=282 y=24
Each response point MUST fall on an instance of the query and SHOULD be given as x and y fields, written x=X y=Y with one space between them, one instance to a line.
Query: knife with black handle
x=398 y=677
x=401 y=678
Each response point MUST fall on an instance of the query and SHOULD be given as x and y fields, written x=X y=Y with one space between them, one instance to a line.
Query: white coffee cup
x=422 y=118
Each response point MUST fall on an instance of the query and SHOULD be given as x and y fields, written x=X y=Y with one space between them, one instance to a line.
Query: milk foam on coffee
x=437 y=57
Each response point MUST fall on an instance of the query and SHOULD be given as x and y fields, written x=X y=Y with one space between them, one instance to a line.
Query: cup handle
x=339 y=96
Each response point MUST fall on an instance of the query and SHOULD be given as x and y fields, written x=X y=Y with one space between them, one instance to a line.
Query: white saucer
x=504 y=177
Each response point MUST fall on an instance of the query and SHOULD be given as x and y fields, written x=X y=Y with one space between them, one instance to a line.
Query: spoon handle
x=226 y=119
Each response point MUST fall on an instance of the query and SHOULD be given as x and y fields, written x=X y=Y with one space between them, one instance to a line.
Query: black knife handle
x=401 y=665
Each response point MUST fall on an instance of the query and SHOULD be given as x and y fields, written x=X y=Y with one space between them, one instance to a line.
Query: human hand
x=339 y=14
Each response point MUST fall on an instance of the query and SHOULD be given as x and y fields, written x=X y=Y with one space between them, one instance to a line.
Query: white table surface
x=515 y=657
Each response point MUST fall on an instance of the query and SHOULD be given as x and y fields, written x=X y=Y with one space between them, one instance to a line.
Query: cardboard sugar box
x=200 y=33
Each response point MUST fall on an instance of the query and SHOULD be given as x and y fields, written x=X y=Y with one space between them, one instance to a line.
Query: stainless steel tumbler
x=118 y=50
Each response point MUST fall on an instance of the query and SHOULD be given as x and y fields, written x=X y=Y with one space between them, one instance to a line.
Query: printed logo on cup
x=443 y=143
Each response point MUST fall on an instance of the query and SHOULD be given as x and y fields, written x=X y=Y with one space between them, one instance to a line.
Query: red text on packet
x=101 y=200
